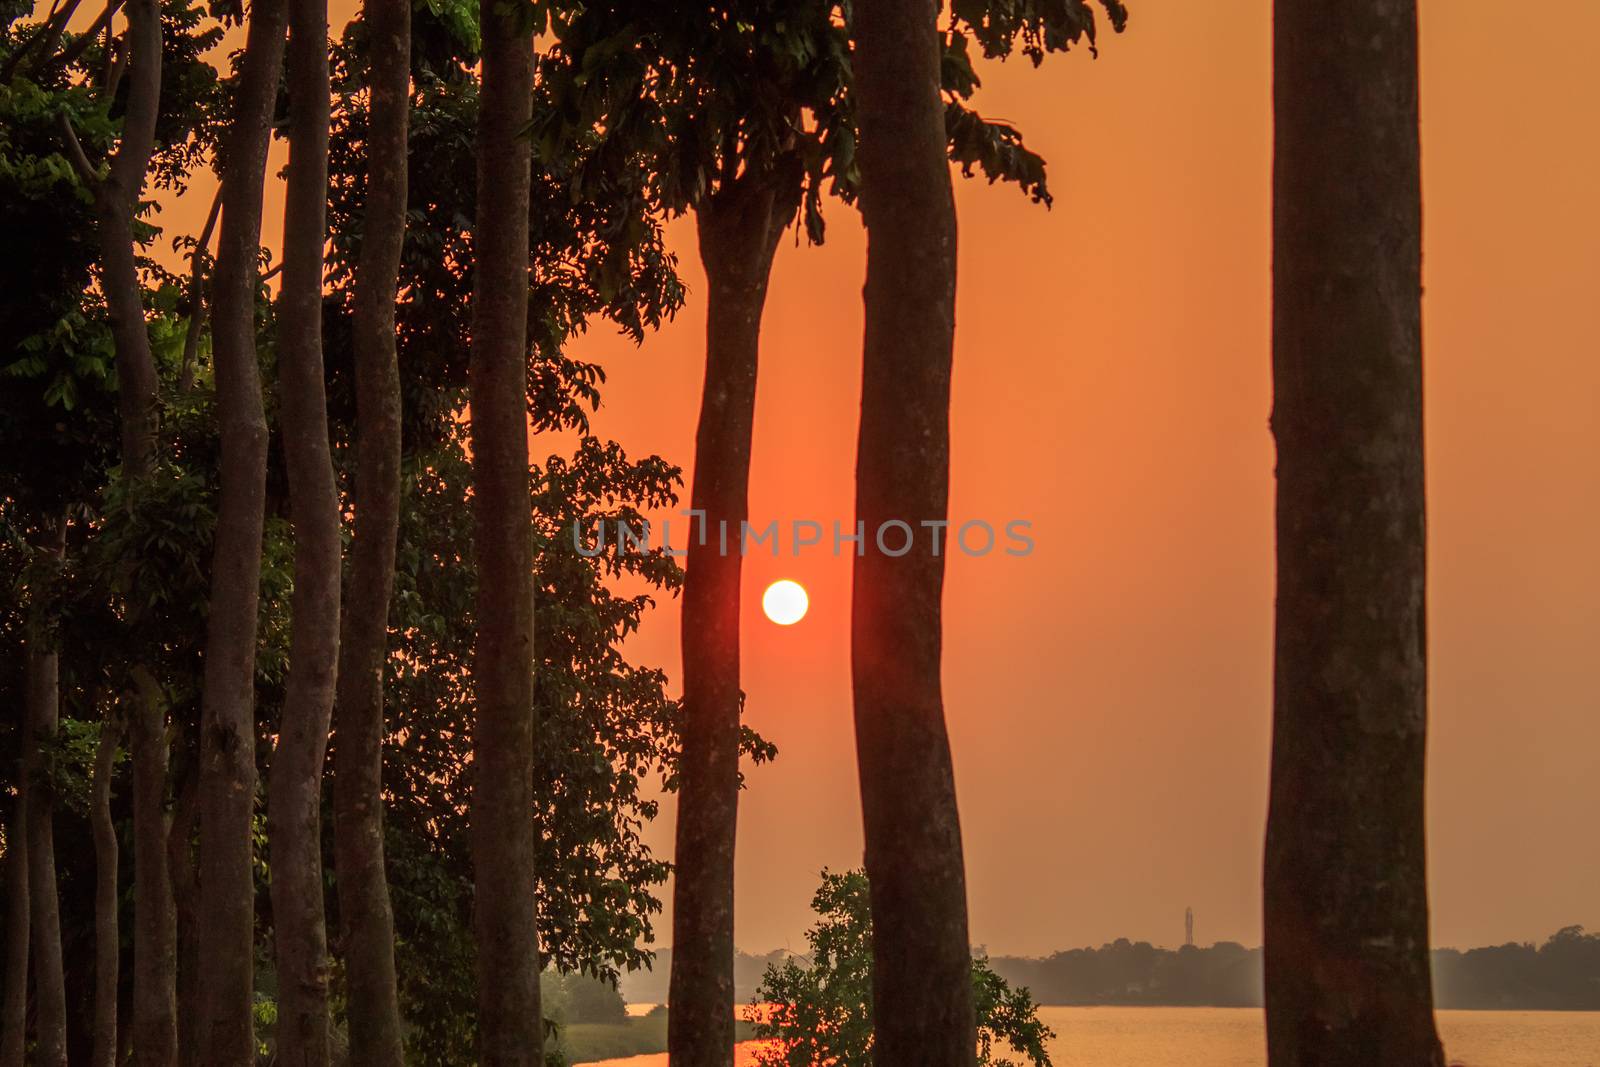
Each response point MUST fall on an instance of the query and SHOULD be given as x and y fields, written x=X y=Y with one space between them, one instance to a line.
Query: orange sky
x=1109 y=695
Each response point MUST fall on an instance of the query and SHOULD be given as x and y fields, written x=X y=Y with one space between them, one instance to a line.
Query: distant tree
x=581 y=998
x=818 y=1008
x=1346 y=898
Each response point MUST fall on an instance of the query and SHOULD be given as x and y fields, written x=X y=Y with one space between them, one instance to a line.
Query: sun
x=785 y=602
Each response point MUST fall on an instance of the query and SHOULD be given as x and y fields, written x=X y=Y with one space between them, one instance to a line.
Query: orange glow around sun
x=785 y=602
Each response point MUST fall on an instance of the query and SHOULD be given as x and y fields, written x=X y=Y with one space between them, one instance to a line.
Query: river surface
x=1234 y=1037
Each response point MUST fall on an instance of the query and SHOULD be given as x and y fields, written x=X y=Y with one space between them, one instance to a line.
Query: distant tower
x=1188 y=926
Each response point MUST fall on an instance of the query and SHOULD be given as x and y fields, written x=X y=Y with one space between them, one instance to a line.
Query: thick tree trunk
x=922 y=989
x=227 y=721
x=365 y=913
x=294 y=806
x=1347 y=966
x=43 y=711
x=739 y=230
x=510 y=1029
x=14 y=1024
x=107 y=937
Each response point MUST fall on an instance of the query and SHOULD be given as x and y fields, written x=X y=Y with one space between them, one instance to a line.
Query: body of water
x=1236 y=1037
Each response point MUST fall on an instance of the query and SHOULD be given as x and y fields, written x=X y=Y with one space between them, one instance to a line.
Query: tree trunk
x=510 y=1029
x=739 y=231
x=107 y=937
x=155 y=965
x=365 y=913
x=42 y=724
x=14 y=1025
x=227 y=720
x=186 y=901
x=294 y=807
x=922 y=991
x=1346 y=906
x=116 y=201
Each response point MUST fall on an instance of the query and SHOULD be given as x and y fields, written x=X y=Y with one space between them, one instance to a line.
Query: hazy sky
x=1109 y=695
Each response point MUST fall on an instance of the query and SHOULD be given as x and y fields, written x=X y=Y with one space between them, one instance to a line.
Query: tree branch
x=49 y=33
x=116 y=64
x=83 y=40
x=75 y=154
x=197 y=296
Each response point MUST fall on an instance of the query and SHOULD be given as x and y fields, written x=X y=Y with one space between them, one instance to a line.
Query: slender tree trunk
x=116 y=202
x=227 y=726
x=739 y=230
x=43 y=722
x=155 y=964
x=510 y=1029
x=366 y=915
x=295 y=790
x=922 y=991
x=186 y=901
x=107 y=936
x=1346 y=904
x=14 y=1025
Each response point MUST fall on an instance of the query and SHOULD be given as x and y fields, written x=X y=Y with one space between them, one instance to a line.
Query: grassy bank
x=646 y=1034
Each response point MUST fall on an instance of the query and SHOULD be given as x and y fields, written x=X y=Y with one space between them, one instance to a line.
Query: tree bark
x=294 y=807
x=739 y=230
x=510 y=1029
x=1346 y=906
x=366 y=915
x=155 y=1010
x=43 y=694
x=227 y=726
x=107 y=937
x=922 y=991
x=14 y=1024
x=186 y=901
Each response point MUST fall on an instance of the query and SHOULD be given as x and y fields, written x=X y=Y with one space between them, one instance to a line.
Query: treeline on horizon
x=1562 y=974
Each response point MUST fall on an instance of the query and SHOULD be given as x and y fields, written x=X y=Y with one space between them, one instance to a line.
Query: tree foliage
x=817 y=1008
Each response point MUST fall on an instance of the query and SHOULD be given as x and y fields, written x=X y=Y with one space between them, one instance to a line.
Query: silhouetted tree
x=294 y=801
x=1346 y=902
x=366 y=915
x=226 y=950
x=510 y=1029
x=921 y=991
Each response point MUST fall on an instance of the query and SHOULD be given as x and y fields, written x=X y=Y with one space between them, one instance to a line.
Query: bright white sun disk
x=785 y=602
